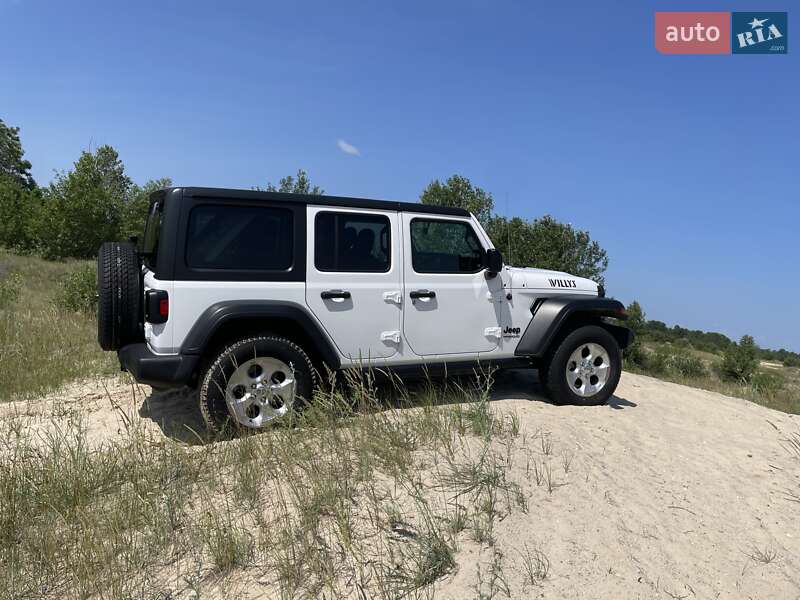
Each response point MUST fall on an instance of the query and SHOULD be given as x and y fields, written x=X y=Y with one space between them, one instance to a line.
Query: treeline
x=706 y=341
x=69 y=218
x=544 y=242
x=95 y=201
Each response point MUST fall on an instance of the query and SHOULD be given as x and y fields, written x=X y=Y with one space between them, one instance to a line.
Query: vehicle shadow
x=524 y=384
x=177 y=413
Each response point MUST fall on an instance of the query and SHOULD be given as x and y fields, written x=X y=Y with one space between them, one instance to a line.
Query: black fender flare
x=551 y=314
x=219 y=314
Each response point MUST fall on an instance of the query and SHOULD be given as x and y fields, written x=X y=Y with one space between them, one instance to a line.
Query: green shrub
x=9 y=289
x=658 y=361
x=77 y=291
x=791 y=361
x=767 y=383
x=740 y=361
x=635 y=354
x=687 y=365
x=665 y=360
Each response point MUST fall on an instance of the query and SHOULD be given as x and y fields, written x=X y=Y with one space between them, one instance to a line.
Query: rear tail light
x=156 y=308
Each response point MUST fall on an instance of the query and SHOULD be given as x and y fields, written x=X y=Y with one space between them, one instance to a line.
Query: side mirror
x=494 y=261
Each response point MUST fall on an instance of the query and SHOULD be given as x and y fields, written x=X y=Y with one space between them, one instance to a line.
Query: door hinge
x=394 y=297
x=390 y=336
x=492 y=332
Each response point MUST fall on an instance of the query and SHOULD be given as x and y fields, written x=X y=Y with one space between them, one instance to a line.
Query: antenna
x=508 y=232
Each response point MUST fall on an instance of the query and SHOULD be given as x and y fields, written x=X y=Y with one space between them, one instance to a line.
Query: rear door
x=450 y=307
x=354 y=278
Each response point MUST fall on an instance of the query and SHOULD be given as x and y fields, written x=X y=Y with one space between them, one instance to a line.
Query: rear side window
x=241 y=238
x=351 y=242
x=148 y=245
x=445 y=247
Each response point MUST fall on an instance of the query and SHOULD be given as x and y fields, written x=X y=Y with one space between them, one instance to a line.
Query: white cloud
x=347 y=148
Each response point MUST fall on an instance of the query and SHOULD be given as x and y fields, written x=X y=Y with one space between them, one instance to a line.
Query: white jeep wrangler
x=248 y=295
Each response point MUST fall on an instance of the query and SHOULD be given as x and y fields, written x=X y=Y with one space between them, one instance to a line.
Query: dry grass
x=786 y=399
x=764 y=556
x=782 y=394
x=535 y=564
x=42 y=347
x=368 y=493
x=793 y=444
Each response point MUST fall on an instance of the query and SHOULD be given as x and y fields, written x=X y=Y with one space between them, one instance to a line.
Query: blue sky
x=685 y=168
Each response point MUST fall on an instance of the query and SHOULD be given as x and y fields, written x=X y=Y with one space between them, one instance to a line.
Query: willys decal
x=563 y=283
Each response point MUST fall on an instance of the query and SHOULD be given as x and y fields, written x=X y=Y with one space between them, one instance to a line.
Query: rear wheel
x=585 y=368
x=255 y=383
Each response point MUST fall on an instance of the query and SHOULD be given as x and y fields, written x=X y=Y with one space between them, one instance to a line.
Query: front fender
x=551 y=314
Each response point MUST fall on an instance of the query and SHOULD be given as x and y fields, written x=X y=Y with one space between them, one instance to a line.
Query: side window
x=445 y=247
x=240 y=238
x=148 y=244
x=351 y=242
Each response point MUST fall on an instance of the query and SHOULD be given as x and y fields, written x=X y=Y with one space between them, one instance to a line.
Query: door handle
x=331 y=294
x=422 y=294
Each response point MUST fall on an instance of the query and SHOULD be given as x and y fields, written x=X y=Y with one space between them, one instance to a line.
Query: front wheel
x=254 y=383
x=585 y=368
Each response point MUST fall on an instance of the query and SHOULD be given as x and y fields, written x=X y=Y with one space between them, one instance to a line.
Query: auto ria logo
x=721 y=32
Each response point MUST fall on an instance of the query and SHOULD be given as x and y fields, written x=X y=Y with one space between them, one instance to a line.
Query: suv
x=249 y=295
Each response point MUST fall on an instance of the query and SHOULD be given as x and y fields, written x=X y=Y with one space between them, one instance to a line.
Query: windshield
x=149 y=244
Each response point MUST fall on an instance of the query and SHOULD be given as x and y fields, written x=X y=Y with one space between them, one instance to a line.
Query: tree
x=12 y=166
x=636 y=317
x=134 y=211
x=84 y=206
x=94 y=202
x=459 y=192
x=740 y=361
x=542 y=242
x=299 y=185
x=18 y=205
x=637 y=321
x=548 y=244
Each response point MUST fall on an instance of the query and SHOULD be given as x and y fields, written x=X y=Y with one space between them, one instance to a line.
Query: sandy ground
x=666 y=492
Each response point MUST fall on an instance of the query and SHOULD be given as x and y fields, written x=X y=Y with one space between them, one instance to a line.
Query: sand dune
x=667 y=492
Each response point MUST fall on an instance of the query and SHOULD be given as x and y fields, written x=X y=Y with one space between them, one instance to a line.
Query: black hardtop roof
x=232 y=194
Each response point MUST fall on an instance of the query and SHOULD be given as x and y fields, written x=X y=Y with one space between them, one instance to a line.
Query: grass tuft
x=765 y=556
x=535 y=565
x=227 y=542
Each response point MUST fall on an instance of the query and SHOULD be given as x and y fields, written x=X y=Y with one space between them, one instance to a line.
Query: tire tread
x=555 y=380
x=119 y=295
x=219 y=425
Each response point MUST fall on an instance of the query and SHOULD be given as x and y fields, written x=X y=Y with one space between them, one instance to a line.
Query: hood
x=552 y=281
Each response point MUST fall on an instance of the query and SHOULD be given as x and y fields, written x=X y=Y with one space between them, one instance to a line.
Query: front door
x=353 y=279
x=450 y=304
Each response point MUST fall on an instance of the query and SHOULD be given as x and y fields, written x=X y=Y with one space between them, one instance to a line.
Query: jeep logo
x=511 y=332
x=563 y=283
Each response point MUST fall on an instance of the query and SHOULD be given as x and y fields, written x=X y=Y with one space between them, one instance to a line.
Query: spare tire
x=119 y=295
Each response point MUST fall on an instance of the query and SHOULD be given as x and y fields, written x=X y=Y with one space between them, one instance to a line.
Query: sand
x=666 y=492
